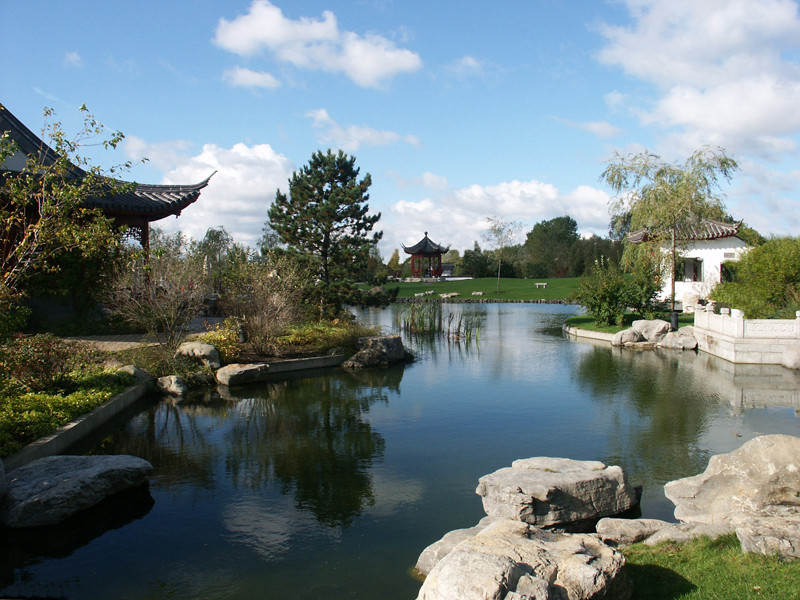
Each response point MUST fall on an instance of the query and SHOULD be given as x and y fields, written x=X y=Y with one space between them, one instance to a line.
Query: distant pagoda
x=426 y=258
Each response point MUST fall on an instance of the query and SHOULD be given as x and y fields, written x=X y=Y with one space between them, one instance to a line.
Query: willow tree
x=662 y=200
x=325 y=218
x=500 y=235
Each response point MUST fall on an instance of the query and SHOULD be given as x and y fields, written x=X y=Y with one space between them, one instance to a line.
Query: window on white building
x=693 y=269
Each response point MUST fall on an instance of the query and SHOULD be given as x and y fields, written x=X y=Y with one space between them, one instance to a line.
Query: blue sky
x=458 y=110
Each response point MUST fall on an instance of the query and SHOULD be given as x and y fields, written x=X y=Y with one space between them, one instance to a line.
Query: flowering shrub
x=225 y=338
x=38 y=362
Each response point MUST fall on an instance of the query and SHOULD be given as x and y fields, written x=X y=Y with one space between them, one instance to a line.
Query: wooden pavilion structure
x=136 y=206
x=426 y=258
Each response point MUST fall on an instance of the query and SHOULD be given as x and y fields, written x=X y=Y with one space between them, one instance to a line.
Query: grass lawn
x=706 y=569
x=510 y=289
x=586 y=322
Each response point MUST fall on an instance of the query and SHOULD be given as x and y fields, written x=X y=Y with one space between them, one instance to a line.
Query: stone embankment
x=643 y=335
x=517 y=552
x=38 y=488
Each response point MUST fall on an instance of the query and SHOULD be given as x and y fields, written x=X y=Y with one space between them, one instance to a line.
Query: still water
x=329 y=486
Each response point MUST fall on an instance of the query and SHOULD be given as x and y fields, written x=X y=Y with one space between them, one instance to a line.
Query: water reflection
x=307 y=436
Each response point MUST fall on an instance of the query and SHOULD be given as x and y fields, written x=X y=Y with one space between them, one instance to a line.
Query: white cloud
x=600 y=129
x=721 y=68
x=458 y=218
x=316 y=44
x=243 y=77
x=161 y=155
x=238 y=195
x=352 y=137
x=73 y=59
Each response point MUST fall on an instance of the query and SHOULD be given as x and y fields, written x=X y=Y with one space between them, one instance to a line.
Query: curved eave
x=706 y=230
x=152 y=201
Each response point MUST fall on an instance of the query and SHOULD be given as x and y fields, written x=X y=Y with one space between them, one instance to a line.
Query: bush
x=265 y=299
x=766 y=281
x=604 y=293
x=39 y=362
x=225 y=338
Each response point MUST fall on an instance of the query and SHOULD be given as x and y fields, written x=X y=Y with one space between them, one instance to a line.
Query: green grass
x=510 y=289
x=706 y=569
x=586 y=322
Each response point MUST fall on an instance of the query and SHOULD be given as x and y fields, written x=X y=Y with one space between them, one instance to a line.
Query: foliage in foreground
x=766 y=282
x=705 y=569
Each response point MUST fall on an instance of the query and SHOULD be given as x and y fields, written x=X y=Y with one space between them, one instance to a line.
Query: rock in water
x=512 y=560
x=556 y=492
x=52 y=489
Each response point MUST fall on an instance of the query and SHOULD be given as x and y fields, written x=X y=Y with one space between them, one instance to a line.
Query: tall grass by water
x=430 y=319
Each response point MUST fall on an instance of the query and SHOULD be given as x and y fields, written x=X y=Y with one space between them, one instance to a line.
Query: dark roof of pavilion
x=426 y=247
x=701 y=229
x=152 y=201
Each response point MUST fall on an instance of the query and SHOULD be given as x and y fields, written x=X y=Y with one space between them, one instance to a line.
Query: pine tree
x=325 y=218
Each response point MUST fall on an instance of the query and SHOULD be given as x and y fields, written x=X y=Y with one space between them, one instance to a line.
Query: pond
x=330 y=485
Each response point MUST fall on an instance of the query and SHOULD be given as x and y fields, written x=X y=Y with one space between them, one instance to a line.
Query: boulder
x=50 y=490
x=556 y=492
x=623 y=532
x=683 y=532
x=754 y=490
x=791 y=357
x=139 y=375
x=764 y=471
x=173 y=385
x=627 y=336
x=205 y=353
x=238 y=374
x=652 y=330
x=377 y=351
x=511 y=560
x=438 y=550
x=773 y=530
x=683 y=339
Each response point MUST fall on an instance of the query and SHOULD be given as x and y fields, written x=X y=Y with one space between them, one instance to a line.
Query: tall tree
x=500 y=235
x=550 y=243
x=664 y=198
x=325 y=217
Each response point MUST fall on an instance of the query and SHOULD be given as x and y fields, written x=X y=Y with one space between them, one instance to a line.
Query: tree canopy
x=325 y=218
x=663 y=198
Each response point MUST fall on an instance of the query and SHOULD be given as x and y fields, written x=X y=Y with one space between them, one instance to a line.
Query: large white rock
x=764 y=471
x=773 y=530
x=174 y=385
x=562 y=492
x=438 y=550
x=683 y=339
x=49 y=490
x=627 y=336
x=791 y=357
x=511 y=560
x=240 y=374
x=652 y=330
x=205 y=353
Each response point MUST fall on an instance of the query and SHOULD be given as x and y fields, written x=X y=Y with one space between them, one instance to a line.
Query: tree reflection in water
x=670 y=402
x=308 y=436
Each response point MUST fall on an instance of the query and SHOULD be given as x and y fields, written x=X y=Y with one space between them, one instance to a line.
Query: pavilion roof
x=150 y=201
x=426 y=247
x=699 y=230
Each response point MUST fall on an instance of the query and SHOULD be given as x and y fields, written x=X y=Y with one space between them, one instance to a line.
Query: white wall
x=713 y=253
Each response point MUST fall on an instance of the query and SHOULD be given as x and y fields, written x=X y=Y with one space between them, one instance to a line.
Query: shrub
x=604 y=293
x=225 y=338
x=38 y=362
x=265 y=299
x=766 y=281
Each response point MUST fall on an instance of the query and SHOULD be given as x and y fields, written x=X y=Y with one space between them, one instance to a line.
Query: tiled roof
x=703 y=229
x=150 y=200
x=426 y=246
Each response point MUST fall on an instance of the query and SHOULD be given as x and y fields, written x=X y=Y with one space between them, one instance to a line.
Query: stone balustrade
x=734 y=338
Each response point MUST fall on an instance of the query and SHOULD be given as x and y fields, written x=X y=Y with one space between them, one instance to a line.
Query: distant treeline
x=552 y=249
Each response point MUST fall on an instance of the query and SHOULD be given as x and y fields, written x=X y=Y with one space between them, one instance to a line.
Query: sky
x=459 y=111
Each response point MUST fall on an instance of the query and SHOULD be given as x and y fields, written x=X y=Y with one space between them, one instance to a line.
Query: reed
x=429 y=318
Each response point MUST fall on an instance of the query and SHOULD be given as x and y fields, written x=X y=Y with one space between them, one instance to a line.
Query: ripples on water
x=330 y=486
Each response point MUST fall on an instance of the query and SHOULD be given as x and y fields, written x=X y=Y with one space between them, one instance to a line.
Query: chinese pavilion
x=426 y=258
x=136 y=207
